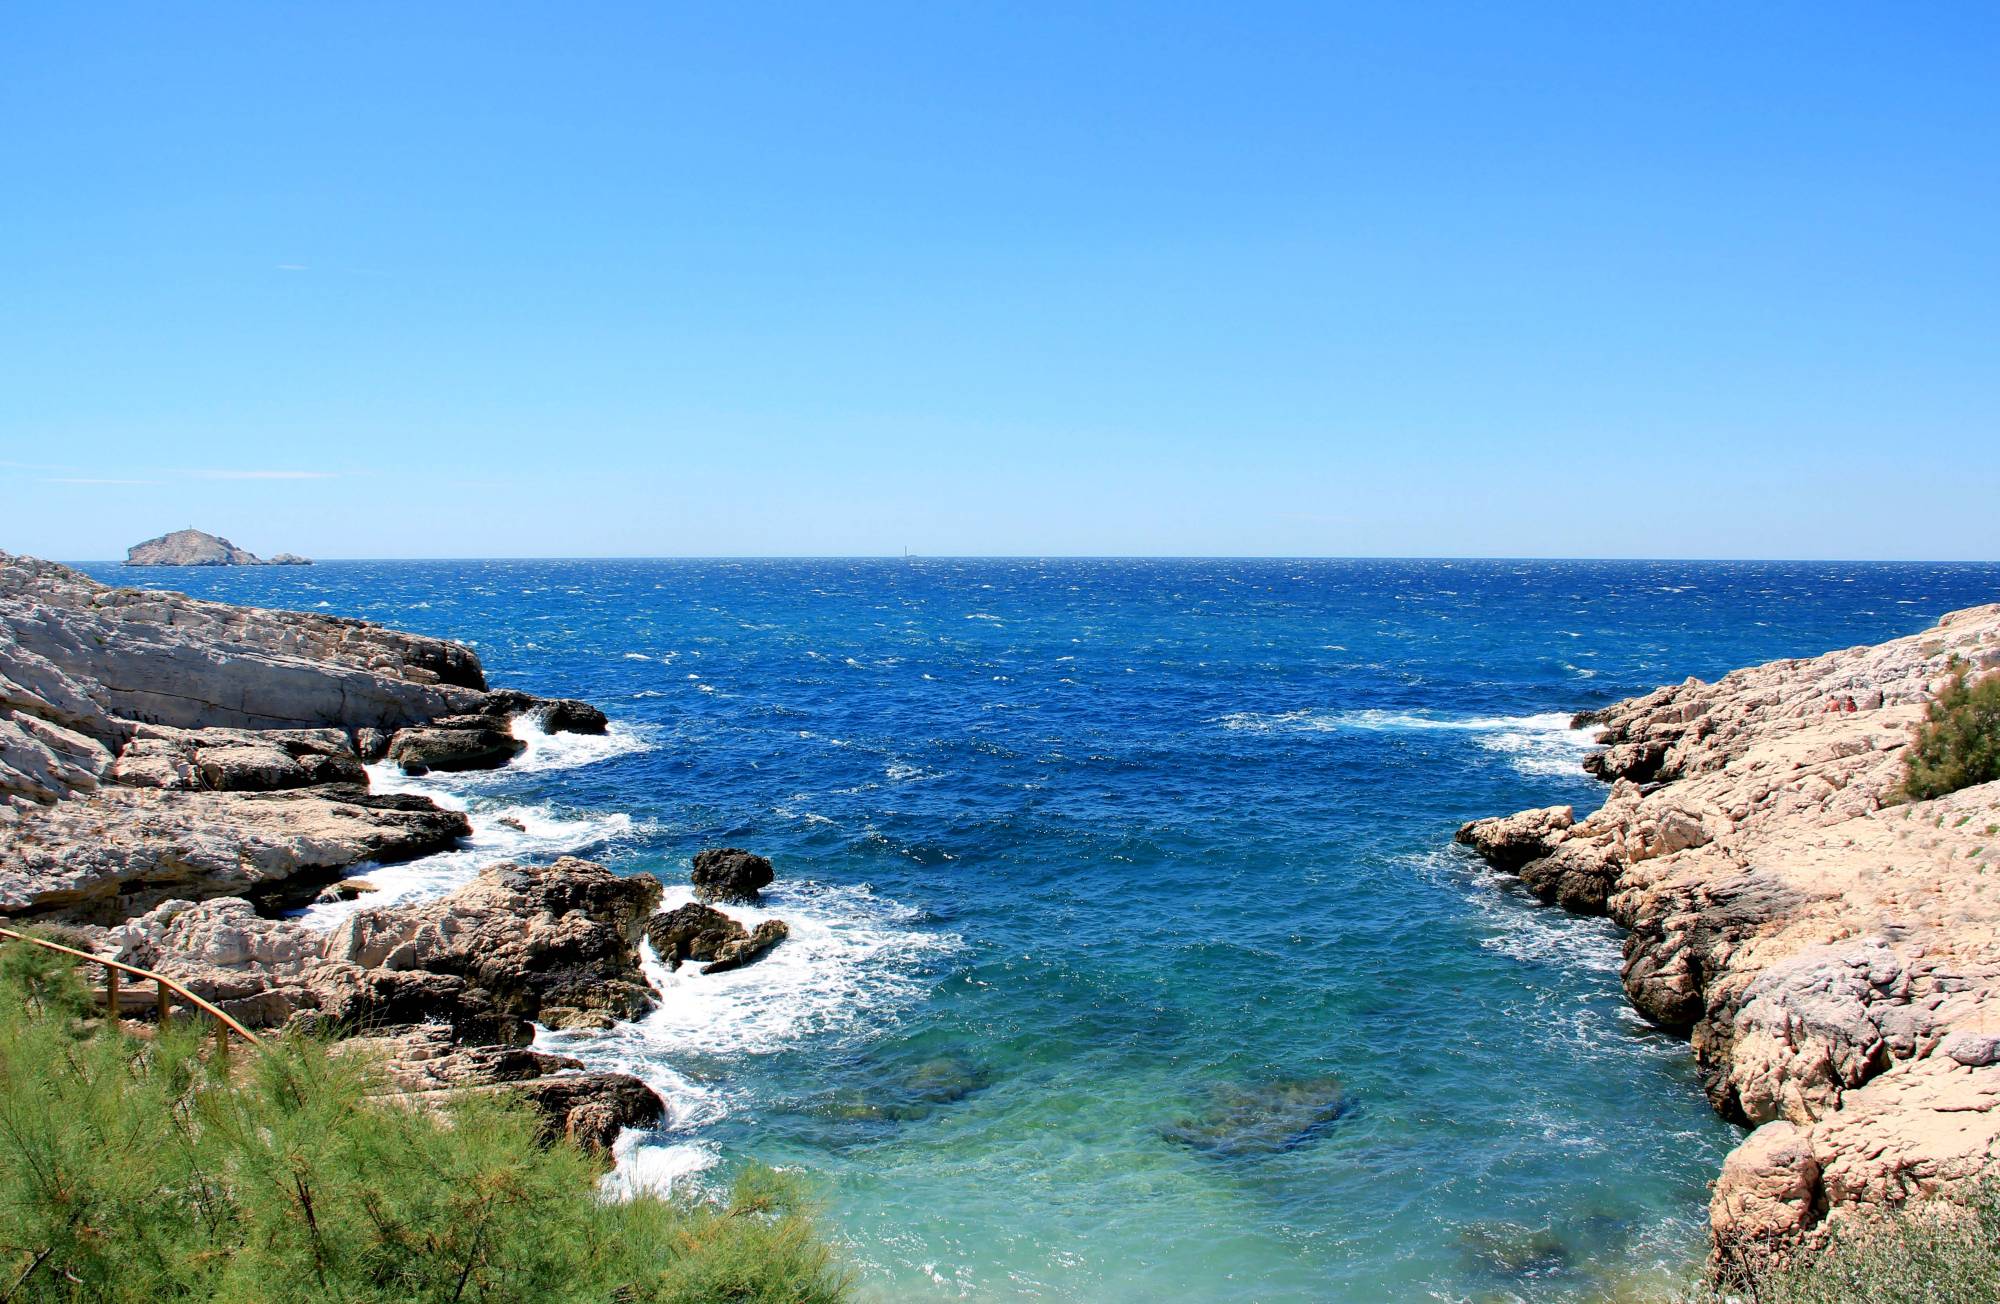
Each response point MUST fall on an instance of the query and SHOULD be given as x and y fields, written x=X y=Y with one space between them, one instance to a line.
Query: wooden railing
x=113 y=969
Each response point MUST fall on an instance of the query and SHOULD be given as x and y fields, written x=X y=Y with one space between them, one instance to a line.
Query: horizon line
x=1107 y=556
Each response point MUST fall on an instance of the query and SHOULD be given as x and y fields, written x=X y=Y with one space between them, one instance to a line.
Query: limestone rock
x=156 y=746
x=730 y=874
x=1832 y=956
x=691 y=932
x=427 y=1064
x=1767 y=1194
x=121 y=850
x=1511 y=841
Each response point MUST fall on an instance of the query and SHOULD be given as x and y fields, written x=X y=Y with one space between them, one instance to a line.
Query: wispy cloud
x=260 y=475
x=291 y=267
x=90 y=479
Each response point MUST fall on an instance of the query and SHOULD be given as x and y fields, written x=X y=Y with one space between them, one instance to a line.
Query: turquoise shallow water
x=1131 y=958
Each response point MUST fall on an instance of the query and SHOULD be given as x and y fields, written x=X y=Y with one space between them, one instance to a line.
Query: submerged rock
x=1262 y=1118
x=1514 y=1250
x=730 y=874
x=917 y=1094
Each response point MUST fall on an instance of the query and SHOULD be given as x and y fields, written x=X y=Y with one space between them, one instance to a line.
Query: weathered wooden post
x=166 y=1001
x=111 y=977
x=222 y=1046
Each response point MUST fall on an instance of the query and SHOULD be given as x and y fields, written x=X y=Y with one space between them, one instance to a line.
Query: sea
x=1131 y=958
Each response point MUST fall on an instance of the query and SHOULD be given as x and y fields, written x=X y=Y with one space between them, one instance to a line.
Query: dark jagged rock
x=739 y=951
x=690 y=932
x=1261 y=1119
x=454 y=743
x=568 y=715
x=1639 y=762
x=1578 y=876
x=591 y=1108
x=730 y=874
x=702 y=933
x=554 y=943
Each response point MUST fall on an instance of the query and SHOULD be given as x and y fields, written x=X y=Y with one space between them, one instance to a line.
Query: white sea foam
x=542 y=834
x=1538 y=745
x=852 y=961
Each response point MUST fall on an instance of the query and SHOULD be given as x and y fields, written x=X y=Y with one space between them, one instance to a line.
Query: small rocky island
x=1831 y=950
x=197 y=548
x=175 y=775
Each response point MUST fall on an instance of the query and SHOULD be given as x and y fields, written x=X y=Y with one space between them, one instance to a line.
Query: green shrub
x=130 y=1171
x=1933 y=1254
x=1958 y=744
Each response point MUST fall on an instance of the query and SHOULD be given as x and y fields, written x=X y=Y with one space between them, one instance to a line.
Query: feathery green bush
x=1935 y=1253
x=131 y=1171
x=1958 y=744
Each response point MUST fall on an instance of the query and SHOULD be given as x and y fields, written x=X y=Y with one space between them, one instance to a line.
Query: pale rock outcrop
x=153 y=745
x=425 y=1065
x=190 y=548
x=442 y=992
x=1833 y=956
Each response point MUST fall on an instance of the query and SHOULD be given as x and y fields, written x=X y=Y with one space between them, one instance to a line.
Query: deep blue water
x=1104 y=872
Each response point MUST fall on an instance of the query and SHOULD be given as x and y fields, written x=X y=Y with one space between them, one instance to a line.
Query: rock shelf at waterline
x=1831 y=950
x=155 y=746
x=169 y=766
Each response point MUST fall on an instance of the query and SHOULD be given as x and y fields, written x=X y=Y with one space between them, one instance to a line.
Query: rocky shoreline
x=175 y=774
x=1831 y=953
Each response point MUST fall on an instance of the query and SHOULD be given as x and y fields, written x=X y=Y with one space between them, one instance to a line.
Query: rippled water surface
x=1131 y=960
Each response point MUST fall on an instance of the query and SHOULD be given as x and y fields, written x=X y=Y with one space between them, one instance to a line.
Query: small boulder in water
x=737 y=952
x=730 y=874
x=703 y=933
x=457 y=742
x=568 y=715
x=1262 y=1119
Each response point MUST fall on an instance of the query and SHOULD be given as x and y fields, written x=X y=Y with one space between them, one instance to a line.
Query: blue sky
x=1594 y=279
